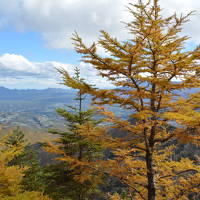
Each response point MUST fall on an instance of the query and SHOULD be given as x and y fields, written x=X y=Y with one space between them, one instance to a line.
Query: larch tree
x=149 y=72
x=11 y=175
x=76 y=152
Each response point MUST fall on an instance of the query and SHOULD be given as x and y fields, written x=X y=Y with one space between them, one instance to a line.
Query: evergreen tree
x=33 y=177
x=148 y=71
x=16 y=138
x=76 y=150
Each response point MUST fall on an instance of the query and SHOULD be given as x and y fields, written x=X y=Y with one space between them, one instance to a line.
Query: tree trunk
x=150 y=176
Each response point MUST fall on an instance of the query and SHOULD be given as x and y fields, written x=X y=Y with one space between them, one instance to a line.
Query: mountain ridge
x=36 y=107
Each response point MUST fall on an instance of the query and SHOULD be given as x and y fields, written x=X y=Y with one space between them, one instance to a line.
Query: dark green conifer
x=75 y=150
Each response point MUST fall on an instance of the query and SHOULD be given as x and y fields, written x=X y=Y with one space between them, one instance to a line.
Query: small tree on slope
x=76 y=151
x=11 y=175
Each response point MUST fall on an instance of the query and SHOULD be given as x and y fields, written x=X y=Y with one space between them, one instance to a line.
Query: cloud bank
x=57 y=20
x=19 y=72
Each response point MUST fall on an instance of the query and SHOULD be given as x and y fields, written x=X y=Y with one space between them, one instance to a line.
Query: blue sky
x=35 y=36
x=32 y=46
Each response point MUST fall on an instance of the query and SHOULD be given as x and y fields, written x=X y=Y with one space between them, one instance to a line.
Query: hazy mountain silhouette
x=33 y=107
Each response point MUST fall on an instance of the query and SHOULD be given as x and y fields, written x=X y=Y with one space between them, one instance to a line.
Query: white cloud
x=19 y=72
x=57 y=20
x=18 y=63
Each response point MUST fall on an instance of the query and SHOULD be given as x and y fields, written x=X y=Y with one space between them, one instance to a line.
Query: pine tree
x=148 y=72
x=75 y=150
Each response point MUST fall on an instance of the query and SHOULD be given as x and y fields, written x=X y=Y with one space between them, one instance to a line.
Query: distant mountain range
x=36 y=108
x=33 y=107
x=50 y=94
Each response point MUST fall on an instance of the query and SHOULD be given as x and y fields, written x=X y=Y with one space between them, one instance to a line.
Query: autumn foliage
x=148 y=71
x=11 y=175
